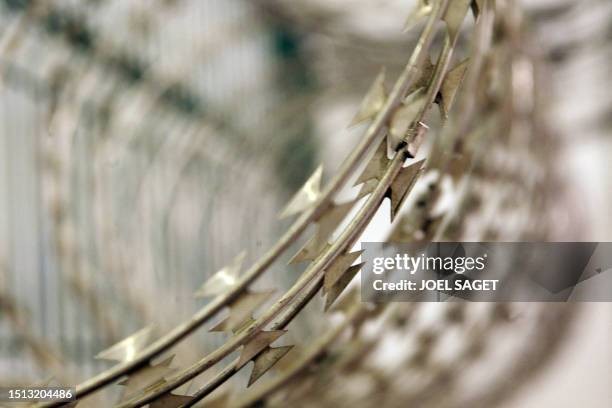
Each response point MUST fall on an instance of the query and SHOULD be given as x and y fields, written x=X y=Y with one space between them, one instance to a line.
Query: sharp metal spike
x=146 y=378
x=266 y=360
x=332 y=218
x=170 y=400
x=306 y=196
x=241 y=310
x=258 y=343
x=244 y=325
x=222 y=326
x=373 y=101
x=421 y=10
x=451 y=84
x=367 y=188
x=404 y=118
x=476 y=7
x=346 y=302
x=454 y=16
x=339 y=268
x=402 y=185
x=336 y=290
x=223 y=280
x=326 y=225
x=425 y=74
x=376 y=166
x=310 y=251
x=128 y=348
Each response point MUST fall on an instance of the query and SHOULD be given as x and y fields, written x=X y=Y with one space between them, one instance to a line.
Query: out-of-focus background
x=143 y=144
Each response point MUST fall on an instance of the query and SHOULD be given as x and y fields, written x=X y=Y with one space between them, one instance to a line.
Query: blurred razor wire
x=132 y=137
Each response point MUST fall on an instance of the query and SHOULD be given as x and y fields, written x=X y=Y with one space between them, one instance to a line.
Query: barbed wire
x=399 y=123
